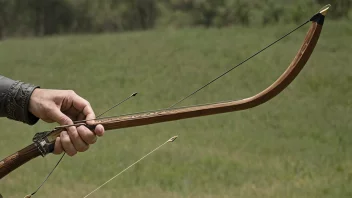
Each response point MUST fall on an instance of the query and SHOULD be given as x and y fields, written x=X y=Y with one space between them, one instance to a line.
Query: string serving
x=169 y=140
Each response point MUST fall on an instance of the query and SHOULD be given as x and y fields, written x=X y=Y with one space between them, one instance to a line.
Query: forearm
x=14 y=100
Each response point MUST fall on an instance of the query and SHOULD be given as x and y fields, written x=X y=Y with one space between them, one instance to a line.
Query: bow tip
x=325 y=9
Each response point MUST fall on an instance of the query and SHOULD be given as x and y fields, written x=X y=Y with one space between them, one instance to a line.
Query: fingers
x=99 y=130
x=63 y=106
x=56 y=115
x=73 y=143
x=83 y=106
x=70 y=140
x=87 y=135
x=58 y=147
x=67 y=144
x=76 y=139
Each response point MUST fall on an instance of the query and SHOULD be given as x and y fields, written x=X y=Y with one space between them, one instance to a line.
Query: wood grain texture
x=17 y=159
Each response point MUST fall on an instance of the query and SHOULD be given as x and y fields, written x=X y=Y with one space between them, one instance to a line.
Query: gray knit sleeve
x=14 y=100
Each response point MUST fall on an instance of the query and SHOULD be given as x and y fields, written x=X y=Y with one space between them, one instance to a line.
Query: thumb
x=56 y=115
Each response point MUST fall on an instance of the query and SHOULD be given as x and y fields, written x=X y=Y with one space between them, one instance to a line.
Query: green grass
x=296 y=145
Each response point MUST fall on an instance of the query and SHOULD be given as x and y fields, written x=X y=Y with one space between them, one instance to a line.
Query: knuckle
x=74 y=135
x=64 y=119
x=71 y=153
x=65 y=139
x=83 y=148
x=48 y=108
x=56 y=152
x=93 y=141
x=87 y=135
x=81 y=128
x=85 y=102
x=66 y=142
x=71 y=92
x=47 y=120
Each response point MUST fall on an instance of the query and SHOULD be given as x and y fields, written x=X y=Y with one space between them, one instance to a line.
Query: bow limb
x=278 y=86
x=17 y=159
x=44 y=142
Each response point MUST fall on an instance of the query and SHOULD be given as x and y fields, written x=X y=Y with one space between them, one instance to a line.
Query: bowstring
x=157 y=148
x=229 y=70
x=215 y=79
x=191 y=94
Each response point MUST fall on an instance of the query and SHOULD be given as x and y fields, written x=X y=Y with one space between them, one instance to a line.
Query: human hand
x=64 y=106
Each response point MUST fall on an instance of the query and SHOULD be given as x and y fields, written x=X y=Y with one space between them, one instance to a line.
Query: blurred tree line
x=47 y=17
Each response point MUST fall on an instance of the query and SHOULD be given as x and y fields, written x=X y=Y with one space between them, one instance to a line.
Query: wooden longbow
x=44 y=141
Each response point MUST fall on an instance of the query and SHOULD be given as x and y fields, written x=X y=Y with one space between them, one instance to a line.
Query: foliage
x=47 y=17
x=341 y=7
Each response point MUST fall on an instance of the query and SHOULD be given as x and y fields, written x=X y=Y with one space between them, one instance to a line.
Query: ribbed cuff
x=18 y=102
x=29 y=118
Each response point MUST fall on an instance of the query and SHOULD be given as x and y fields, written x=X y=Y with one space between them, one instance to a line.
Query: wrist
x=33 y=100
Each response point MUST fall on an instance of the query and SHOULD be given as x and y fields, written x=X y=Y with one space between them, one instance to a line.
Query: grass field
x=297 y=145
